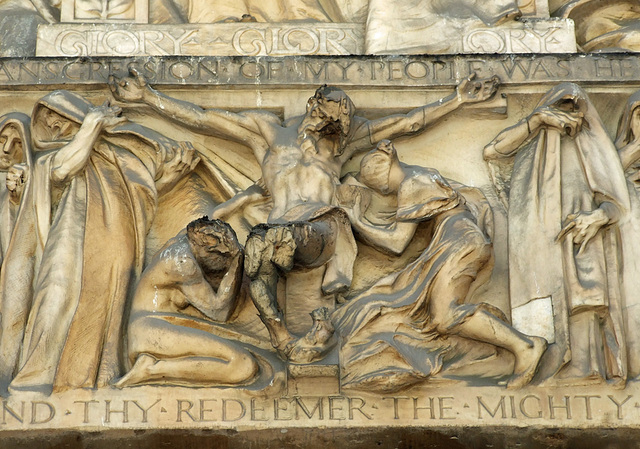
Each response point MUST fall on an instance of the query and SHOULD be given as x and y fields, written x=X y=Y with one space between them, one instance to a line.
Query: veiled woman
x=15 y=149
x=628 y=145
x=568 y=205
x=17 y=247
x=95 y=182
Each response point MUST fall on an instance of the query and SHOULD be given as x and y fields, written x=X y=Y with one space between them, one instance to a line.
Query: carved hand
x=184 y=161
x=583 y=226
x=106 y=116
x=471 y=90
x=129 y=89
x=568 y=123
x=355 y=212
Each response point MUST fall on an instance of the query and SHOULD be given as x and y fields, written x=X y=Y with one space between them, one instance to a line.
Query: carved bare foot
x=316 y=343
x=527 y=364
x=138 y=373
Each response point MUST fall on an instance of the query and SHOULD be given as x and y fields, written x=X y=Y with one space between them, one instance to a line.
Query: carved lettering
x=445 y=406
x=204 y=410
x=376 y=66
x=344 y=68
x=416 y=70
x=42 y=412
x=500 y=406
x=316 y=71
x=430 y=407
x=511 y=40
x=587 y=404
x=395 y=70
x=334 y=407
x=566 y=407
x=619 y=411
x=358 y=408
x=396 y=404
x=108 y=411
x=252 y=70
x=280 y=41
x=85 y=408
x=254 y=37
x=604 y=67
x=233 y=410
x=300 y=405
x=187 y=411
x=254 y=409
x=525 y=409
x=10 y=410
x=281 y=405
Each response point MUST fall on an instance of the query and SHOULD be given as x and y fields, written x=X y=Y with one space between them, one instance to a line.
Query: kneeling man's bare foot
x=316 y=344
x=139 y=373
x=527 y=364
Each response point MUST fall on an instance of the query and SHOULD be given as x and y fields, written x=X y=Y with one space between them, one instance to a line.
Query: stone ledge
x=294 y=71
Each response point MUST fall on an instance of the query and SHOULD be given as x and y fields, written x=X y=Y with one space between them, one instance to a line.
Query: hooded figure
x=628 y=144
x=15 y=138
x=92 y=198
x=17 y=240
x=568 y=208
x=628 y=136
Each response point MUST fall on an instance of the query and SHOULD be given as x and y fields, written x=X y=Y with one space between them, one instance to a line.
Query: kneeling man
x=194 y=279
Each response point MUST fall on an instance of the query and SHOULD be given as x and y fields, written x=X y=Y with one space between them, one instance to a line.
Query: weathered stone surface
x=384 y=71
x=244 y=39
x=291 y=228
x=525 y=36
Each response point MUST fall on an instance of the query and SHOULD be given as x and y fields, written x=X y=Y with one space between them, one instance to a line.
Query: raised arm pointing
x=252 y=128
x=468 y=91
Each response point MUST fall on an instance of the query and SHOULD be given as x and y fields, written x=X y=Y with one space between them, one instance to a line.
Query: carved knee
x=283 y=247
x=242 y=368
x=254 y=254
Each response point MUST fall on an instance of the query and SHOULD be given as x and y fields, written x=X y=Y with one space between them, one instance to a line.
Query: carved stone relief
x=375 y=281
x=317 y=27
x=319 y=214
x=463 y=27
x=610 y=25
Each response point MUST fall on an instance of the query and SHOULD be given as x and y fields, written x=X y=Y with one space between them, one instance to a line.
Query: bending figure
x=430 y=295
x=196 y=277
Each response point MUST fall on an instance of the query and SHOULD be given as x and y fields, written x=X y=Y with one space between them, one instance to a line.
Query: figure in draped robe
x=430 y=26
x=94 y=189
x=568 y=201
x=275 y=11
x=628 y=145
x=193 y=282
x=15 y=241
x=15 y=142
x=404 y=328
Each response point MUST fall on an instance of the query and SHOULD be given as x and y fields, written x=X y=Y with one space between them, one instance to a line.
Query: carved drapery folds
x=103 y=286
x=355 y=212
x=143 y=27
